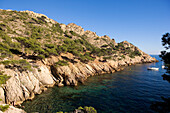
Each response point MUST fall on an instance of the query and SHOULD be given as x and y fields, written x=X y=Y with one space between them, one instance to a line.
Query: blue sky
x=141 y=22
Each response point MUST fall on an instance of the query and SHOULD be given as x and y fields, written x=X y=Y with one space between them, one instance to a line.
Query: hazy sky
x=141 y=22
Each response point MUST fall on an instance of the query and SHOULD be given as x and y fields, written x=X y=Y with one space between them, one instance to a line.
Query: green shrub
x=60 y=112
x=123 y=56
x=41 y=19
x=34 y=20
x=97 y=38
x=88 y=109
x=105 y=45
x=1 y=18
x=27 y=33
x=74 y=34
x=2 y=25
x=111 y=44
x=4 y=46
x=51 y=51
x=61 y=63
x=22 y=64
x=134 y=53
x=3 y=108
x=49 y=45
x=131 y=55
x=137 y=53
x=120 y=45
x=41 y=57
x=104 y=39
x=67 y=35
x=80 y=108
x=109 y=57
x=57 y=28
x=36 y=32
x=29 y=42
x=3 y=78
x=61 y=49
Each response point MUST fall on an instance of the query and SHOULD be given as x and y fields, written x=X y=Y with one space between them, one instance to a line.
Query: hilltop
x=37 y=52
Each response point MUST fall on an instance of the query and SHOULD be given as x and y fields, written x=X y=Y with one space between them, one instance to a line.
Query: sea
x=132 y=90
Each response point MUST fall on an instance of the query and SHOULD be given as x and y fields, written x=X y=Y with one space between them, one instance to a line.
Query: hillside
x=37 y=52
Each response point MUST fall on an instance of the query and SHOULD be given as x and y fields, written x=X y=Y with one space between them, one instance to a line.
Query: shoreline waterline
x=134 y=88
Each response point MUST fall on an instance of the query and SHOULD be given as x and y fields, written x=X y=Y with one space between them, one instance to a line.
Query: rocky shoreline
x=23 y=86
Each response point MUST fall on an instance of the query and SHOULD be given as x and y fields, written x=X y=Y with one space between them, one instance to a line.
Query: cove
x=131 y=90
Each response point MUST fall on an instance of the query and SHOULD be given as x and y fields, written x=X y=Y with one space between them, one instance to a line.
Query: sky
x=141 y=22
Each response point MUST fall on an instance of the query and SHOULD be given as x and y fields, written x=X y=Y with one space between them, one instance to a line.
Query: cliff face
x=37 y=52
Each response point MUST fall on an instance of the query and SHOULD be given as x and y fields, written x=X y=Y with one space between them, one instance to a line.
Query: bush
x=134 y=53
x=51 y=51
x=61 y=63
x=137 y=53
x=41 y=57
x=62 y=48
x=123 y=56
x=57 y=28
x=86 y=57
x=105 y=45
x=36 y=32
x=3 y=78
x=74 y=34
x=67 y=35
x=21 y=64
x=97 y=38
x=29 y=43
x=41 y=19
x=131 y=55
x=88 y=109
x=107 y=57
x=104 y=39
x=3 y=108
x=49 y=45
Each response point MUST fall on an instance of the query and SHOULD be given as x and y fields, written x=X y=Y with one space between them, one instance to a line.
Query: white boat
x=163 y=67
x=153 y=68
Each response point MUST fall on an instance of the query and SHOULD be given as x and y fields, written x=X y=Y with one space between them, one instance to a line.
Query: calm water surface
x=129 y=91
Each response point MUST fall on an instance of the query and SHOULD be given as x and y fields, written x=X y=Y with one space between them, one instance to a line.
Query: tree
x=164 y=106
x=165 y=55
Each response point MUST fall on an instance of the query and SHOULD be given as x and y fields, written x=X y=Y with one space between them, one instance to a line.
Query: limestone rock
x=44 y=76
x=73 y=27
x=14 y=91
x=2 y=96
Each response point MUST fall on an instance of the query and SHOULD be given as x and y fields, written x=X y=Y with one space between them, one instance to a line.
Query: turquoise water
x=129 y=91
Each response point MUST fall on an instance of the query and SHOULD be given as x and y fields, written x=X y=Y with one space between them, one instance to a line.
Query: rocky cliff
x=37 y=52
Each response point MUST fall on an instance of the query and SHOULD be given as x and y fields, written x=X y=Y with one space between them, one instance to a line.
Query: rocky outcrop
x=92 y=37
x=73 y=27
x=74 y=73
x=24 y=86
x=33 y=14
